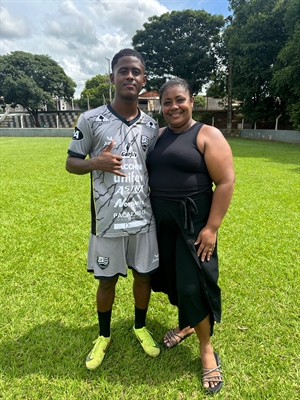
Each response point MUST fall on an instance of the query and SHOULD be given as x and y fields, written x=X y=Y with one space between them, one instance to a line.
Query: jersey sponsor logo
x=144 y=142
x=131 y=177
x=103 y=262
x=121 y=203
x=102 y=119
x=131 y=224
x=151 y=125
x=128 y=152
x=77 y=135
x=132 y=166
x=129 y=215
x=135 y=189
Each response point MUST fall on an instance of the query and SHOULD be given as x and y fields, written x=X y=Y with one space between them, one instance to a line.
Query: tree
x=180 y=43
x=217 y=87
x=286 y=78
x=33 y=81
x=199 y=101
x=254 y=39
x=96 y=92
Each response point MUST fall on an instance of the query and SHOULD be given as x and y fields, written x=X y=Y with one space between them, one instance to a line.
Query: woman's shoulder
x=209 y=136
x=161 y=130
x=208 y=130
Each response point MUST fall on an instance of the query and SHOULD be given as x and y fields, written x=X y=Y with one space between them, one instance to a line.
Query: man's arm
x=105 y=161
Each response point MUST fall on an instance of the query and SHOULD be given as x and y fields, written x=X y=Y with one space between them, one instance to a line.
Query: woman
x=188 y=159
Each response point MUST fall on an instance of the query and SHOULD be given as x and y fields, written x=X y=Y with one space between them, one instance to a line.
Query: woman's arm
x=219 y=162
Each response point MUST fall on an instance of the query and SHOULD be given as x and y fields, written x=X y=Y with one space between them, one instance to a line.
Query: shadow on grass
x=57 y=351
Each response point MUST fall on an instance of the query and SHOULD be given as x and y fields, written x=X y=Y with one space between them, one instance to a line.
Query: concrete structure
x=270 y=135
x=56 y=119
x=36 y=132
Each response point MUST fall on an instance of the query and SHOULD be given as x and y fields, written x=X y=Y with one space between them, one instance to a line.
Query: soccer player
x=117 y=138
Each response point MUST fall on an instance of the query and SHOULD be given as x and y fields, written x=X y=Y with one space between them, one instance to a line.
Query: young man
x=117 y=138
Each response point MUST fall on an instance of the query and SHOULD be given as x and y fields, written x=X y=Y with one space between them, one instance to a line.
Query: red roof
x=152 y=93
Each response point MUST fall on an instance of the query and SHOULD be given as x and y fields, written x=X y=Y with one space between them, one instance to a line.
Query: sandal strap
x=177 y=334
x=212 y=378
x=171 y=337
x=206 y=371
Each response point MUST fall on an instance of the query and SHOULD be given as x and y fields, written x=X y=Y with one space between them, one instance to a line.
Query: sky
x=81 y=34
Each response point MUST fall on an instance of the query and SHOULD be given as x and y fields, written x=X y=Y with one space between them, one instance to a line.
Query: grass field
x=47 y=300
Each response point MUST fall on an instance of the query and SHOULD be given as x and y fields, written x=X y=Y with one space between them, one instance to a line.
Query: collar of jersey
x=129 y=123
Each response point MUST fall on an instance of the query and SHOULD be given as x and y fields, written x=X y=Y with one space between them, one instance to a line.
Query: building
x=149 y=102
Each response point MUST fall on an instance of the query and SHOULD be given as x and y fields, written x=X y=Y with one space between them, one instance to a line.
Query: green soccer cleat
x=147 y=342
x=95 y=357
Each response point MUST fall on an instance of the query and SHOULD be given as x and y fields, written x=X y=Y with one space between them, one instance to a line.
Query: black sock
x=104 y=323
x=140 y=317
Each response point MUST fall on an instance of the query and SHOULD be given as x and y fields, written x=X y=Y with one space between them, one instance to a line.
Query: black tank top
x=176 y=166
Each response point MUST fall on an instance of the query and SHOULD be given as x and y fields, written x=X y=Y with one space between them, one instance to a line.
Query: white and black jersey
x=120 y=206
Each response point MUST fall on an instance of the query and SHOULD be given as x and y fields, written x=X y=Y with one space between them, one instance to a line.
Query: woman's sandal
x=207 y=378
x=171 y=338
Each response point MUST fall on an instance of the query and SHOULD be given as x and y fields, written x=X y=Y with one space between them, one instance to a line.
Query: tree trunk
x=35 y=115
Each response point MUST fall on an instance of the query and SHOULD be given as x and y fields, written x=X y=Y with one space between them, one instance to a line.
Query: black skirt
x=189 y=283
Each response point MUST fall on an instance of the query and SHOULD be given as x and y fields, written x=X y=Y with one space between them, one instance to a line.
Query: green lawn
x=47 y=300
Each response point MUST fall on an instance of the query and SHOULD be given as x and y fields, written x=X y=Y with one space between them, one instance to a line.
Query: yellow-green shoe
x=147 y=342
x=95 y=357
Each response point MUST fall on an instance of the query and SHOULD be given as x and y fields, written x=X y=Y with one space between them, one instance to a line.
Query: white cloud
x=13 y=26
x=88 y=36
x=126 y=16
x=70 y=24
x=78 y=34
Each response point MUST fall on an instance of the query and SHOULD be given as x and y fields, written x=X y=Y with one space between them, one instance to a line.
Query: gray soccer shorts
x=109 y=257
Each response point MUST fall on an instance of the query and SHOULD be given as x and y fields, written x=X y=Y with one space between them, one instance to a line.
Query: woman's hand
x=207 y=241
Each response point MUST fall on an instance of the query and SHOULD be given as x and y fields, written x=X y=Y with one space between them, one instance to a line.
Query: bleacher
x=61 y=119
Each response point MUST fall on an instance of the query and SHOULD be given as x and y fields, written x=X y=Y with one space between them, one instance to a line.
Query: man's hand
x=108 y=162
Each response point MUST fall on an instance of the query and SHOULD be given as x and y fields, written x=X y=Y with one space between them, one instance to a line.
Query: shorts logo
x=77 y=135
x=144 y=142
x=151 y=125
x=128 y=153
x=155 y=258
x=102 y=119
x=103 y=262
